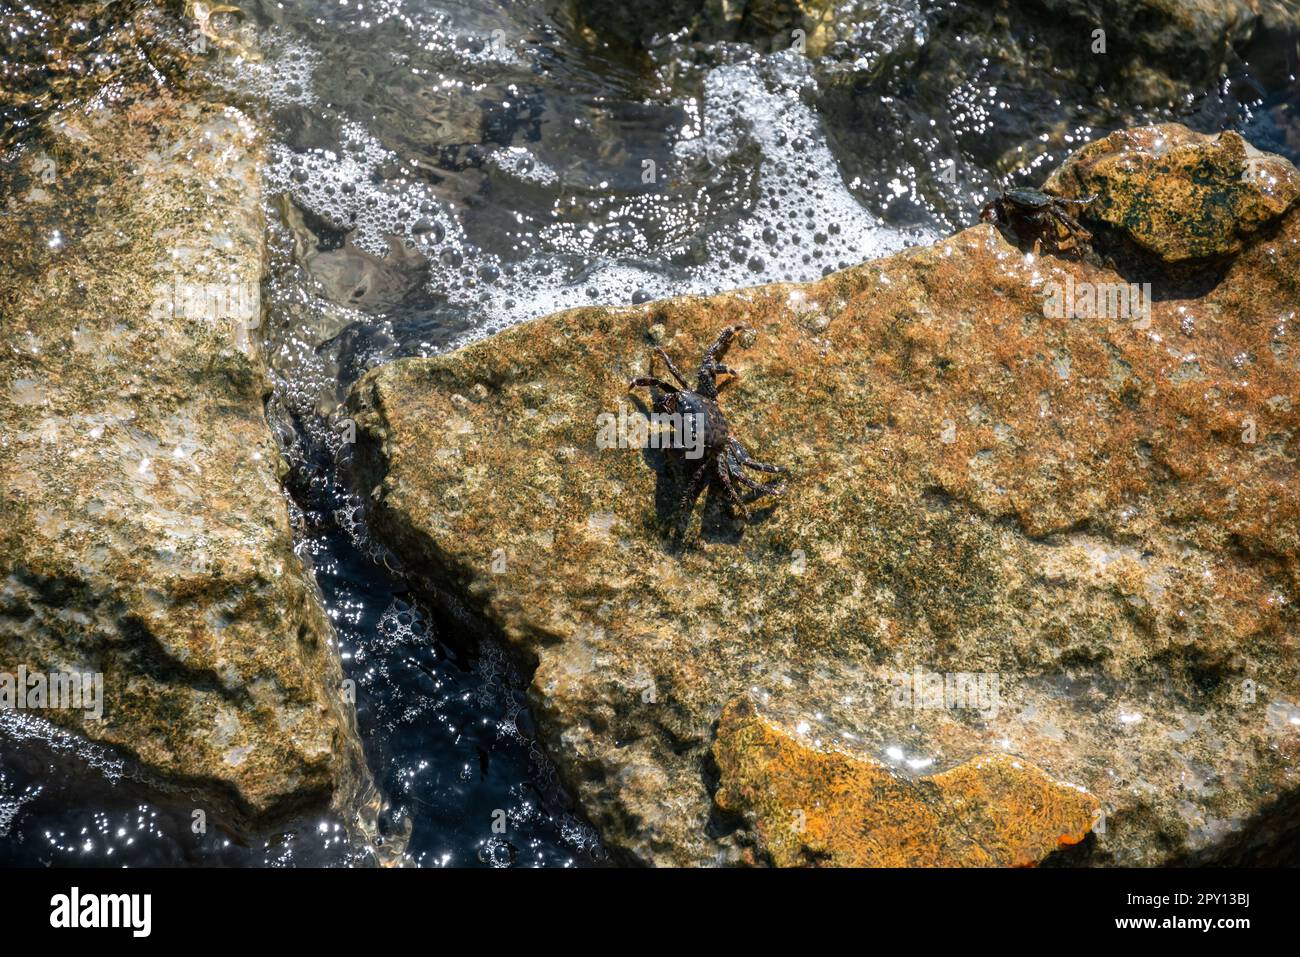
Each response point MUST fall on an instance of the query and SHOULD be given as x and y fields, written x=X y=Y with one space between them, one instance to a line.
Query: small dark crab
x=1033 y=214
x=722 y=455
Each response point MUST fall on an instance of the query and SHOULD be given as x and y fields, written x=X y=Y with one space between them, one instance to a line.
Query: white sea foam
x=793 y=217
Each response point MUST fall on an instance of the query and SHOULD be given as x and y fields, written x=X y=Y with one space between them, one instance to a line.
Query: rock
x=816 y=805
x=1008 y=84
x=1013 y=84
x=350 y=277
x=1196 y=37
x=761 y=22
x=1184 y=37
x=1017 y=522
x=146 y=537
x=1178 y=194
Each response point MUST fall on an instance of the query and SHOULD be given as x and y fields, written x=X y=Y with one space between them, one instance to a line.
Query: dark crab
x=724 y=458
x=1033 y=214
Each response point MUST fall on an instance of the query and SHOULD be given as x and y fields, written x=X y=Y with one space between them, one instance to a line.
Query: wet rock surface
x=1185 y=38
x=146 y=536
x=827 y=806
x=1000 y=85
x=1178 y=194
x=1092 y=513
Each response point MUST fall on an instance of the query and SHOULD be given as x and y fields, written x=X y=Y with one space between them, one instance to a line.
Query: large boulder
x=145 y=536
x=1068 y=536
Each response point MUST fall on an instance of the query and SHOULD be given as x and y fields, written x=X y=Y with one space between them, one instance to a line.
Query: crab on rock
x=1033 y=214
x=723 y=455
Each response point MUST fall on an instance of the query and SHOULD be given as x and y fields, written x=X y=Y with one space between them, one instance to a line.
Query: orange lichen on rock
x=826 y=806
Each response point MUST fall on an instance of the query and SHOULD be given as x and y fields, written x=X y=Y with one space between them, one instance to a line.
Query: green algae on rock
x=1096 y=515
x=145 y=535
x=1178 y=194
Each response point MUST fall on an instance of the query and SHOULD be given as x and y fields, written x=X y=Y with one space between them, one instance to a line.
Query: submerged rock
x=146 y=537
x=764 y=23
x=1184 y=38
x=1031 y=511
x=997 y=84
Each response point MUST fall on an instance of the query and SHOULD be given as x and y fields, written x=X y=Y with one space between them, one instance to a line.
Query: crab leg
x=710 y=367
x=698 y=480
x=672 y=367
x=1071 y=224
x=717 y=368
x=651 y=381
x=725 y=475
x=707 y=383
x=759 y=487
x=742 y=456
x=723 y=343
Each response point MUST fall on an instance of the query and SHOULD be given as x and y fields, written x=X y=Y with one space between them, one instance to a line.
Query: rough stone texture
x=1101 y=513
x=1178 y=194
x=145 y=534
x=814 y=805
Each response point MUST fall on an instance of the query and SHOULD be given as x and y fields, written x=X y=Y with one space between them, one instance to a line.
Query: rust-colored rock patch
x=824 y=805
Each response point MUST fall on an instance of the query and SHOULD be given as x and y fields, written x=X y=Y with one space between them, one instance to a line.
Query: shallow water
x=443 y=170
